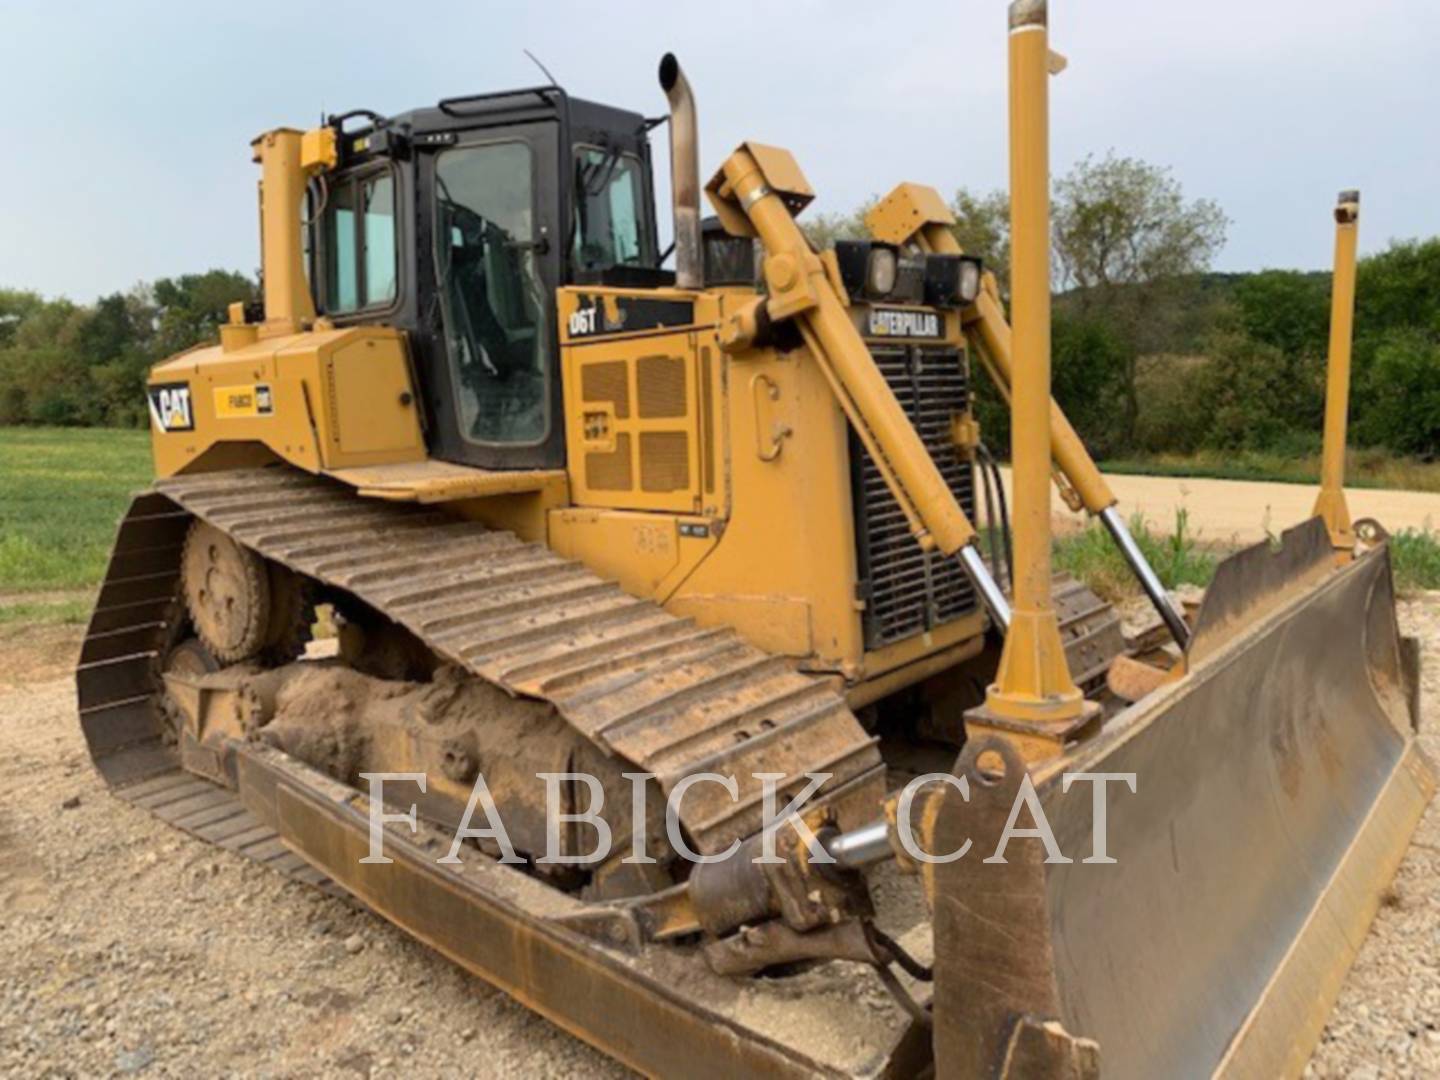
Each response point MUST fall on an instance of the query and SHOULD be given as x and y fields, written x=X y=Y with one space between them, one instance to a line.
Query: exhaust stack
x=288 y=306
x=684 y=173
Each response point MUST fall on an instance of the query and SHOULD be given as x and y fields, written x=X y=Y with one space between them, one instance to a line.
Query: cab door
x=491 y=361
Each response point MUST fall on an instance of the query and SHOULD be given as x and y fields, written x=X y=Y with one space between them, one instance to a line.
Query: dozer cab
x=671 y=690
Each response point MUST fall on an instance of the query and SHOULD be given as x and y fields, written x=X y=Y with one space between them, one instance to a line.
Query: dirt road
x=1242 y=511
x=127 y=947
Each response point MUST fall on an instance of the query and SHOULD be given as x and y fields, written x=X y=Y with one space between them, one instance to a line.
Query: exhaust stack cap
x=669 y=71
x=1347 y=210
x=1027 y=13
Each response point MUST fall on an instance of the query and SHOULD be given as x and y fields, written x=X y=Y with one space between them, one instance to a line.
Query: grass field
x=1180 y=559
x=1363 y=469
x=62 y=491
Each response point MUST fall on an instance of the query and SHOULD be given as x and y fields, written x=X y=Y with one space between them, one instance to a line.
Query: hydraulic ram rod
x=991 y=334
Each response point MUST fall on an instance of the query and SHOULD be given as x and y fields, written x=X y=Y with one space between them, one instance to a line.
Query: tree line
x=1153 y=352
x=85 y=364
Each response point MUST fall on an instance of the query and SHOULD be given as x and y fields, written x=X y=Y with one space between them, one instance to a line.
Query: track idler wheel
x=227 y=590
x=241 y=605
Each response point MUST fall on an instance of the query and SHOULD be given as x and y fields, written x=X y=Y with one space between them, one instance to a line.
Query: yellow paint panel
x=778 y=624
x=645 y=553
x=633 y=423
x=371 y=404
x=337 y=399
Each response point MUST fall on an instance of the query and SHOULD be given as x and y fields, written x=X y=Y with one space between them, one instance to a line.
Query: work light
x=880 y=272
x=969 y=285
x=952 y=280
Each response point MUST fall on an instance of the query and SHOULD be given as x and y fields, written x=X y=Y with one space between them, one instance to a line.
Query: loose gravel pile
x=129 y=948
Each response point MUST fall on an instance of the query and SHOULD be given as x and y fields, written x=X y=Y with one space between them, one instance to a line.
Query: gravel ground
x=1387 y=1021
x=127 y=947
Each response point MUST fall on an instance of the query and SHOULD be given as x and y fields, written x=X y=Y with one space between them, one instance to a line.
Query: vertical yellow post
x=288 y=306
x=1033 y=699
x=1330 y=506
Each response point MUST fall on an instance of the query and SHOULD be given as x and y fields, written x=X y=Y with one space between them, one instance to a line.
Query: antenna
x=536 y=61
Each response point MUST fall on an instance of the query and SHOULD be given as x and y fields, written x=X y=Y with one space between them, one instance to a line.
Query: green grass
x=46 y=612
x=1178 y=559
x=1364 y=468
x=1416 y=557
x=62 y=492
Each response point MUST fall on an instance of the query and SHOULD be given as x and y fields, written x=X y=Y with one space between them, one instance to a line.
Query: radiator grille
x=906 y=590
x=607 y=381
x=610 y=471
x=660 y=387
x=664 y=461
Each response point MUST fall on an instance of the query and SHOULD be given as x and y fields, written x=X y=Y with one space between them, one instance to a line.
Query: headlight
x=952 y=280
x=969 y=287
x=880 y=272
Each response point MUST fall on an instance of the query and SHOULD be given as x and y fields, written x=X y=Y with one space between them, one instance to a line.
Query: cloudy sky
x=126 y=139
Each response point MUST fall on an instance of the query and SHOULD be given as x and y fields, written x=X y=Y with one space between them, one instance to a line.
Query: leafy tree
x=192 y=307
x=1403 y=410
x=1123 y=222
x=1287 y=309
x=1399 y=287
x=982 y=226
x=1088 y=362
x=62 y=363
x=824 y=229
x=15 y=307
x=1126 y=243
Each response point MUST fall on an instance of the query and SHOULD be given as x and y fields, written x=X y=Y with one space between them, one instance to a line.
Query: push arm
x=756 y=193
x=893 y=221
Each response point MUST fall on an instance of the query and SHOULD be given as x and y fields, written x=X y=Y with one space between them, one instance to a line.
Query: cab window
x=491 y=296
x=609 y=204
x=360 y=247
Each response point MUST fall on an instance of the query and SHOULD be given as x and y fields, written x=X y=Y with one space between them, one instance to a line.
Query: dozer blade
x=1277 y=786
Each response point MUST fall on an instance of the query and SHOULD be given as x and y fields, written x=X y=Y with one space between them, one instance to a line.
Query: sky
x=127 y=137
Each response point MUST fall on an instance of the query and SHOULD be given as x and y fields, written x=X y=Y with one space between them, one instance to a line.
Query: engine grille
x=908 y=591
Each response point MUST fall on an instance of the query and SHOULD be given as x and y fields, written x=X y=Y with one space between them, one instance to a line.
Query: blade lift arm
x=893 y=221
x=756 y=193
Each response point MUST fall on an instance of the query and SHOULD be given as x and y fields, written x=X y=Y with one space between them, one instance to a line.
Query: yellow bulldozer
x=671 y=688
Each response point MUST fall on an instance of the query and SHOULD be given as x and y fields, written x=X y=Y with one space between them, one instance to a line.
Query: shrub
x=1172 y=391
x=1403 y=407
x=1416 y=557
x=1093 y=557
x=1259 y=395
